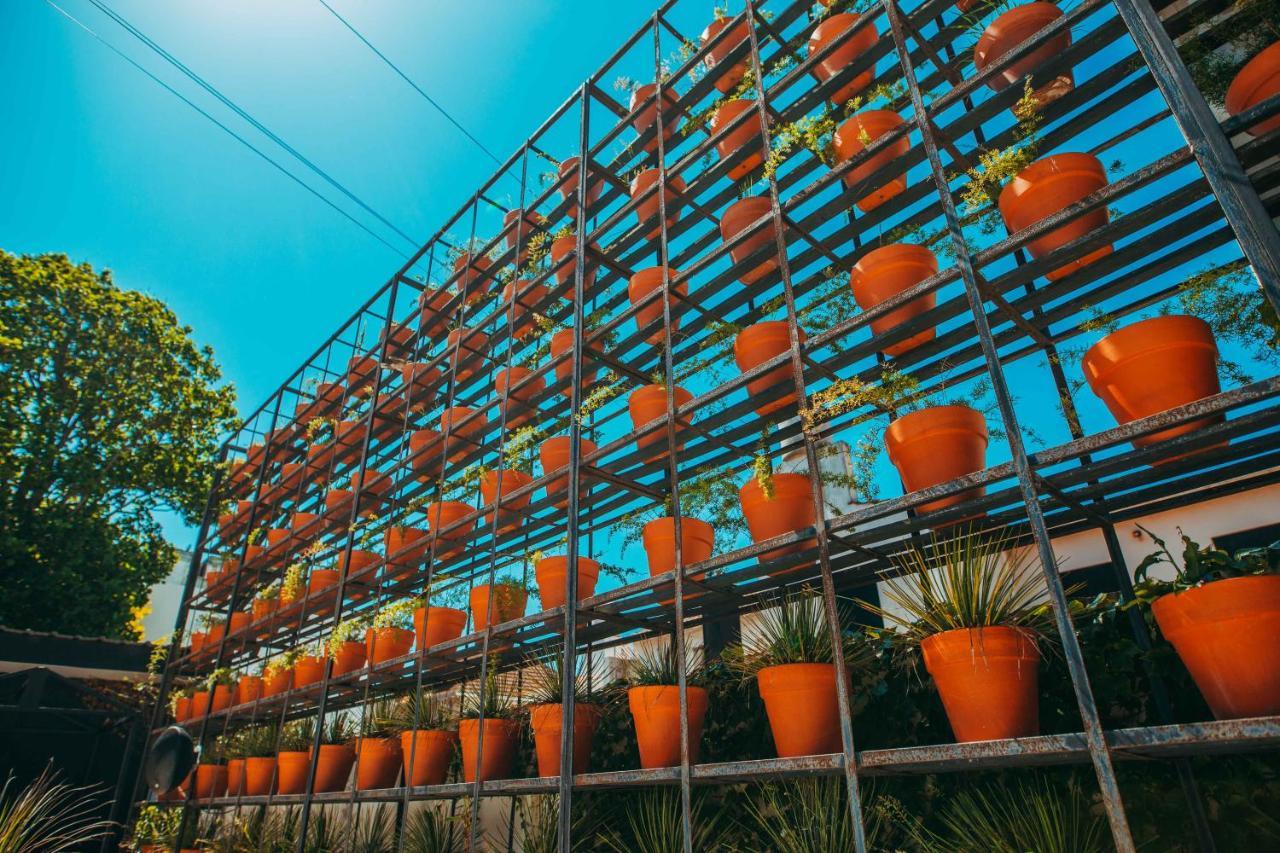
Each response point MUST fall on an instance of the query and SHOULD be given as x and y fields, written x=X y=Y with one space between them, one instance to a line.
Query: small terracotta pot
x=350 y=656
x=263 y=610
x=519 y=389
x=527 y=224
x=656 y=712
x=427 y=756
x=1256 y=82
x=435 y=625
x=321 y=579
x=182 y=709
x=508 y=604
x=237 y=622
x=496 y=489
x=420 y=382
x=333 y=768
x=259 y=774
x=882 y=274
x=425 y=451
x=405 y=548
x=745 y=137
x=1010 y=30
x=936 y=445
x=445 y=514
x=564 y=259
x=235 y=777
x=467 y=351
x=1228 y=634
x=736 y=219
x=492 y=759
x=839 y=28
x=697 y=539
x=790 y=509
x=1152 y=366
x=198 y=641
x=434 y=315
x=647 y=117
x=211 y=781
x=645 y=194
x=379 y=763
x=552 y=574
x=648 y=403
x=361 y=370
x=547 y=722
x=755 y=345
x=308 y=669
x=726 y=76
x=291 y=772
x=987 y=678
x=466 y=431
x=568 y=180
x=848 y=142
x=387 y=643
x=221 y=698
x=472 y=276
x=279 y=681
x=398 y=339
x=357 y=564
x=800 y=699
x=562 y=344
x=554 y=453
x=649 y=316
x=248 y=689
x=1046 y=187
x=524 y=310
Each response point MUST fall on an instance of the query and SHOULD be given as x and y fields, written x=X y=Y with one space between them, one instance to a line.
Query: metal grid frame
x=1001 y=315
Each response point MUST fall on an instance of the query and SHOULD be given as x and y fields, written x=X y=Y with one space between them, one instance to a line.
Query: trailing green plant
x=320 y=431
x=544 y=676
x=657 y=665
x=1199 y=565
x=49 y=816
x=397 y=615
x=278 y=663
x=294 y=584
x=349 y=630
x=1230 y=299
x=220 y=677
x=997 y=166
x=793 y=628
x=1014 y=818
x=419 y=711
x=492 y=697
x=371 y=830
x=270 y=592
x=297 y=735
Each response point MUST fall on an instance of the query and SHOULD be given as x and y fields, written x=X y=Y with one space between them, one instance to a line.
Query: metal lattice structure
x=1186 y=198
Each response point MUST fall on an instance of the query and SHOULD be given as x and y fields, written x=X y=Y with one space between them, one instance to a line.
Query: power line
x=213 y=90
x=228 y=130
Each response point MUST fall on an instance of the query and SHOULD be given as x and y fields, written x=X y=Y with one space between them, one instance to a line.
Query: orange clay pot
x=211 y=781
x=790 y=509
x=308 y=669
x=509 y=516
x=523 y=312
x=472 y=276
x=755 y=345
x=379 y=763
x=649 y=316
x=1047 y=186
x=405 y=548
x=745 y=137
x=199 y=706
x=648 y=403
x=248 y=689
x=291 y=772
x=737 y=217
x=182 y=709
x=647 y=118
x=1152 y=366
x=547 y=722
x=387 y=643
x=936 y=445
x=259 y=773
x=496 y=756
x=235 y=777
x=838 y=29
x=726 y=76
x=697 y=538
x=562 y=344
x=987 y=678
x=435 y=625
x=350 y=656
x=443 y=514
x=563 y=260
x=656 y=711
x=552 y=574
x=804 y=715
x=421 y=381
x=433 y=312
x=279 y=681
x=645 y=194
x=221 y=698
x=554 y=453
x=333 y=768
x=467 y=429
x=426 y=756
x=1010 y=30
x=568 y=181
x=237 y=622
x=467 y=348
x=849 y=143
x=1228 y=634
x=882 y=274
x=508 y=604
x=531 y=224
x=425 y=450
x=321 y=579
x=1258 y=81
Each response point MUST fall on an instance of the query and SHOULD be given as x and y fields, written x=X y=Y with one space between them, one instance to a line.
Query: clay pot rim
x=644 y=392
x=865 y=37
x=1238 y=95
x=764 y=330
x=890 y=254
x=751 y=493
x=869 y=120
x=911 y=422
x=564 y=561
x=645 y=91
x=1092 y=361
x=1029 y=637
x=640 y=184
x=697 y=524
x=1060 y=164
x=733 y=107
x=992 y=36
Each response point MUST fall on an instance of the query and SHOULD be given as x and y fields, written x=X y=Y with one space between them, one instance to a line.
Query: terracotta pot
x=445 y=514
x=221 y=698
x=882 y=274
x=646 y=119
x=237 y=622
x=472 y=276
x=308 y=669
x=495 y=757
x=259 y=773
x=199 y=639
x=737 y=218
x=333 y=768
x=387 y=643
x=425 y=450
x=563 y=261
x=568 y=181
x=496 y=489
x=362 y=371
x=420 y=382
x=337 y=505
x=1152 y=366
x=547 y=722
x=508 y=604
x=427 y=756
x=987 y=678
x=755 y=345
x=279 y=681
x=745 y=137
x=434 y=315
x=848 y=142
x=357 y=564
x=263 y=609
x=398 y=339
x=645 y=194
x=405 y=548
x=435 y=625
x=379 y=763
x=211 y=781
x=466 y=431
x=1228 y=634
x=1046 y=187
x=182 y=709
x=839 y=28
x=804 y=716
x=936 y=445
x=350 y=656
x=649 y=315
x=554 y=454
x=1010 y=30
x=726 y=76
x=519 y=389
x=321 y=579
x=248 y=689
x=552 y=574
x=697 y=539
x=562 y=344
x=291 y=772
x=656 y=712
x=527 y=225
x=790 y=509
x=235 y=777
x=1256 y=82
x=303 y=524
x=467 y=351
x=523 y=312
x=648 y=403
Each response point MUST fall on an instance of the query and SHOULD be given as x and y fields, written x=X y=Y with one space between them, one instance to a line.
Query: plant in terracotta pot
x=727 y=76
x=220 y=689
x=473 y=273
x=154 y=830
x=265 y=602
x=496 y=491
x=554 y=455
x=277 y=673
x=644 y=194
x=293 y=585
x=751 y=215
x=648 y=404
x=488 y=730
x=378 y=757
x=935 y=445
x=852 y=36
x=861 y=132
x=543 y=691
x=1239 y=67
x=440 y=615
x=258 y=744
x=309 y=664
x=346 y=645
x=1221 y=613
x=1048 y=186
x=650 y=311
x=758 y=343
x=390 y=633
x=654 y=699
x=232 y=751
x=427 y=742
x=507 y=596
x=643 y=104
x=333 y=765
x=1012 y=28
x=739 y=132
x=886 y=272
x=777 y=503
x=211 y=772
x=180 y=703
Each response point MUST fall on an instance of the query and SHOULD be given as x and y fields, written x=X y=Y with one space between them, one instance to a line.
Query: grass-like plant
x=544 y=677
x=491 y=698
x=369 y=831
x=658 y=666
x=49 y=816
x=1044 y=817
x=810 y=816
x=652 y=822
x=416 y=712
x=258 y=741
x=794 y=629
x=430 y=830
x=298 y=735
x=376 y=720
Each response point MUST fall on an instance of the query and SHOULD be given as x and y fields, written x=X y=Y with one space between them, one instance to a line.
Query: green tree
x=108 y=412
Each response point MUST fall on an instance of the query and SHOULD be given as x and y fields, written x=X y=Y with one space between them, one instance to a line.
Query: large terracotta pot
x=259 y=773
x=248 y=689
x=648 y=403
x=308 y=669
x=936 y=445
x=737 y=218
x=649 y=316
x=839 y=29
x=427 y=756
x=235 y=777
x=568 y=179
x=790 y=509
x=642 y=98
x=656 y=712
x=467 y=351
x=552 y=574
x=554 y=453
x=379 y=763
x=745 y=137
x=508 y=603
x=405 y=548
x=645 y=194
x=755 y=345
x=445 y=514
x=1258 y=81
x=882 y=274
x=211 y=781
x=987 y=678
x=518 y=388
x=333 y=768
x=349 y=657
x=1010 y=30
x=472 y=276
x=435 y=625
x=496 y=488
x=564 y=260
x=518 y=225
x=800 y=699
x=1047 y=186
x=387 y=643
x=697 y=539
x=320 y=580
x=1152 y=366
x=425 y=452
x=547 y=723
x=562 y=344
x=726 y=75
x=849 y=143
x=291 y=772
x=464 y=429
x=1228 y=634
x=495 y=757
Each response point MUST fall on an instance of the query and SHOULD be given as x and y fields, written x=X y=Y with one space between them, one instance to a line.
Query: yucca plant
x=811 y=816
x=651 y=822
x=297 y=736
x=416 y=712
x=543 y=679
x=1044 y=817
x=658 y=666
x=377 y=720
x=429 y=830
x=540 y=824
x=258 y=741
x=794 y=629
x=492 y=698
x=371 y=830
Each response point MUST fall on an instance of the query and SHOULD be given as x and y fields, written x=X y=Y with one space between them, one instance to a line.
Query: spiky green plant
x=810 y=816
x=794 y=629
x=491 y=698
x=539 y=817
x=416 y=712
x=429 y=830
x=297 y=736
x=370 y=831
x=651 y=822
x=658 y=666
x=258 y=741
x=1043 y=817
x=543 y=679
x=376 y=719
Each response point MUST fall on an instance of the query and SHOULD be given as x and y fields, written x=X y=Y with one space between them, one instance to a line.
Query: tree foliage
x=108 y=412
